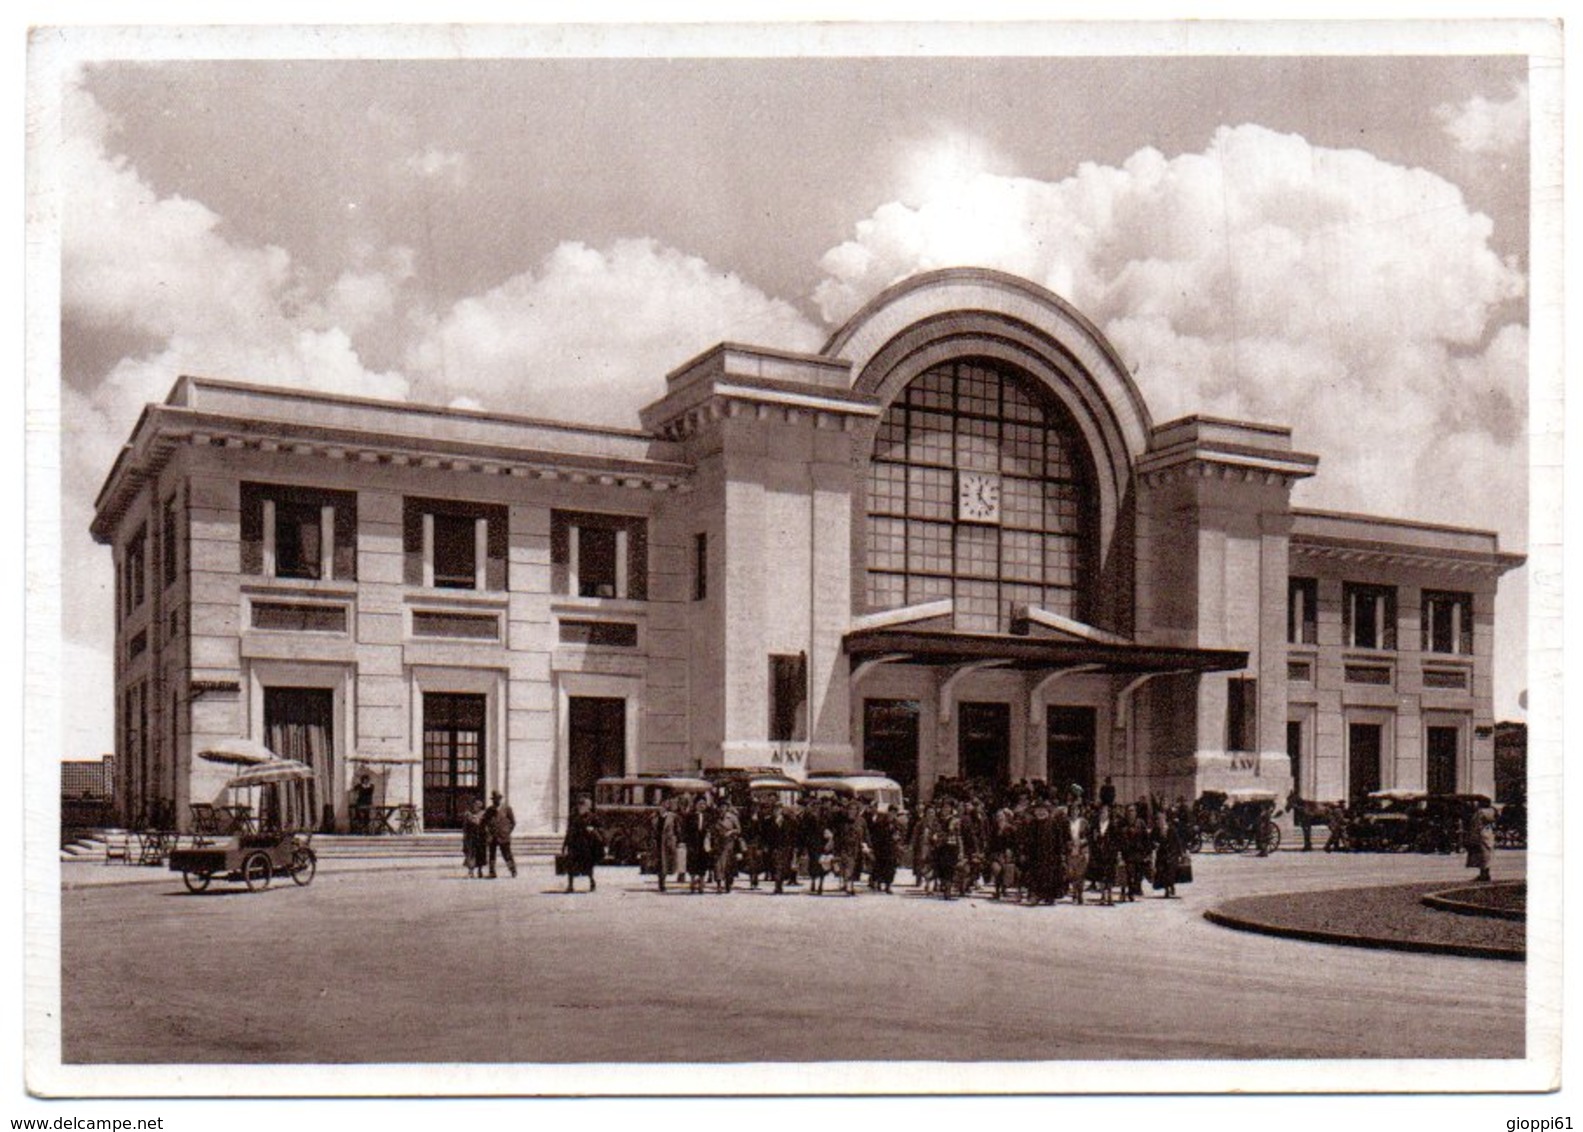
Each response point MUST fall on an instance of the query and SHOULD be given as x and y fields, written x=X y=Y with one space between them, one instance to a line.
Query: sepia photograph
x=794 y=559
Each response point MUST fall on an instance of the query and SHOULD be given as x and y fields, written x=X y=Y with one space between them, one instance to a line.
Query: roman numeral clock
x=977 y=497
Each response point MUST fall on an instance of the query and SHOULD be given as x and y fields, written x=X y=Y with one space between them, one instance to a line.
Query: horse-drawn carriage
x=1511 y=825
x=1413 y=820
x=1235 y=820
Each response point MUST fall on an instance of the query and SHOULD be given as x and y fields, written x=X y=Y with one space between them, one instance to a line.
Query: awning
x=281 y=770
x=238 y=752
x=1030 y=653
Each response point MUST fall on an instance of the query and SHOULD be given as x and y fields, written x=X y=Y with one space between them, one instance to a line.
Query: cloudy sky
x=1338 y=244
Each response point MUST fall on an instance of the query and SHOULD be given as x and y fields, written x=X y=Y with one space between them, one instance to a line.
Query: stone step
x=441 y=846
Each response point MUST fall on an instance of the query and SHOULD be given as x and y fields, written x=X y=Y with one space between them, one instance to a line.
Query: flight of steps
x=422 y=846
x=86 y=847
x=427 y=846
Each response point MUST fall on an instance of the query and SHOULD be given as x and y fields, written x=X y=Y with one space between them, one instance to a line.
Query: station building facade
x=951 y=543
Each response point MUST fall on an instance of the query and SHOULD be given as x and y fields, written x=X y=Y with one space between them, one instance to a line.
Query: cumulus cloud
x=590 y=334
x=1481 y=125
x=1270 y=279
x=159 y=270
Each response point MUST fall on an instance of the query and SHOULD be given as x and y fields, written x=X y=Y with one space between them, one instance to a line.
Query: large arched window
x=979 y=491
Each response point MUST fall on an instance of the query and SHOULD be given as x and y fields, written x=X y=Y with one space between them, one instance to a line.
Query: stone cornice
x=683 y=414
x=1493 y=563
x=164 y=429
x=1159 y=469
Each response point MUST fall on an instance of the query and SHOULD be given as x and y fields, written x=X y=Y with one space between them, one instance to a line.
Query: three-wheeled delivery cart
x=278 y=847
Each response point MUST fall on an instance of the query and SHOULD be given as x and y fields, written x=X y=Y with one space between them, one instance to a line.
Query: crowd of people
x=1029 y=843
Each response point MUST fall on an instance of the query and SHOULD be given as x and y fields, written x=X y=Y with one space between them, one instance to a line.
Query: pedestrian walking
x=1167 y=856
x=1481 y=840
x=882 y=836
x=695 y=836
x=665 y=840
x=584 y=846
x=947 y=847
x=779 y=834
x=1104 y=855
x=499 y=821
x=475 y=839
x=727 y=840
x=1077 y=845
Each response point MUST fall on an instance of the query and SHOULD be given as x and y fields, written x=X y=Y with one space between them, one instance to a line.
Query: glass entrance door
x=1442 y=757
x=1069 y=748
x=984 y=742
x=453 y=757
x=890 y=740
x=596 y=741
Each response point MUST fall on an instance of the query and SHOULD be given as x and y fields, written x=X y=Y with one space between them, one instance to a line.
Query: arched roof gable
x=971 y=301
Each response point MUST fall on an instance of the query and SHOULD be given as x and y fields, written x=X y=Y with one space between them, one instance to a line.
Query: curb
x=162 y=875
x=1444 y=901
x=1379 y=943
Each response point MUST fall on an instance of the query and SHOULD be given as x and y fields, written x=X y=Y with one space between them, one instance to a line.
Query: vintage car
x=883 y=792
x=626 y=805
x=745 y=787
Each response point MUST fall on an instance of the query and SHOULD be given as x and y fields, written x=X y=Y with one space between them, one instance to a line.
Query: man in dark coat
x=777 y=841
x=1045 y=853
x=882 y=839
x=499 y=821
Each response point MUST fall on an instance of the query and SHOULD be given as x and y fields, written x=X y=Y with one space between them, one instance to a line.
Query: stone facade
x=952 y=542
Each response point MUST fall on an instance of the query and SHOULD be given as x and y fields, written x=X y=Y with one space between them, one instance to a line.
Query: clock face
x=977 y=497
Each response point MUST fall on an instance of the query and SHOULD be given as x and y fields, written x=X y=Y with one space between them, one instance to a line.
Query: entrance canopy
x=1029 y=653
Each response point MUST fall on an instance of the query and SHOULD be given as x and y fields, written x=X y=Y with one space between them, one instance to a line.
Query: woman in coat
x=1135 y=852
x=665 y=840
x=584 y=845
x=696 y=822
x=1078 y=834
x=1481 y=841
x=727 y=840
x=849 y=840
x=1104 y=853
x=475 y=839
x=1167 y=856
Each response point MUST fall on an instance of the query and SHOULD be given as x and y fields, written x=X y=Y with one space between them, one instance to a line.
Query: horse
x=1306 y=815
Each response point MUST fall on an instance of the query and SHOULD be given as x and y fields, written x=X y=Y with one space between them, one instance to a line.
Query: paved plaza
x=420 y=964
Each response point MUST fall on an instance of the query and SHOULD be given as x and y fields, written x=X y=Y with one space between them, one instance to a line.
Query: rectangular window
x=299 y=532
x=788 y=698
x=1242 y=714
x=300 y=544
x=700 y=566
x=608 y=634
x=135 y=565
x=1302 y=602
x=598 y=555
x=1448 y=623
x=301 y=618
x=1449 y=678
x=469 y=626
x=1369 y=613
x=1367 y=674
x=171 y=539
x=449 y=544
x=454 y=551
